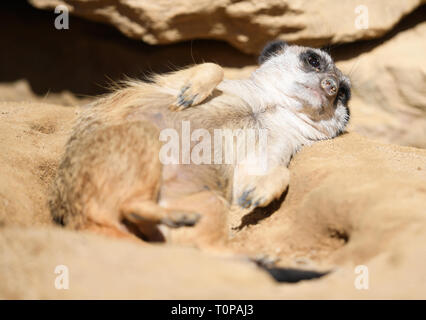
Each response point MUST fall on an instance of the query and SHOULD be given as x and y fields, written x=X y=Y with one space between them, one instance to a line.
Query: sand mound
x=32 y=136
x=101 y=268
x=351 y=202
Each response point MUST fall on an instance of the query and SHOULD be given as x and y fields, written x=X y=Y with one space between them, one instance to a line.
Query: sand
x=351 y=201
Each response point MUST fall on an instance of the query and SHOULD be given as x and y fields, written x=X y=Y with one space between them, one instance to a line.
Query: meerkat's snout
x=330 y=85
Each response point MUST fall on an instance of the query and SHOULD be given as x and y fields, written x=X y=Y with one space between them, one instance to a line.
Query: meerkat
x=111 y=179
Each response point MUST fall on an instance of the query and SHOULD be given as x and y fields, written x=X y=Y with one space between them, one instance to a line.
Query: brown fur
x=111 y=180
x=110 y=174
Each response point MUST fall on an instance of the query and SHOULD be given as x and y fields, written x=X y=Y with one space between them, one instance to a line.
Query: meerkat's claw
x=181 y=219
x=188 y=97
x=250 y=199
x=245 y=200
x=197 y=84
x=256 y=197
x=254 y=191
x=185 y=99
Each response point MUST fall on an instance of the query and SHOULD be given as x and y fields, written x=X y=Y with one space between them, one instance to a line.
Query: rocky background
x=385 y=62
x=358 y=199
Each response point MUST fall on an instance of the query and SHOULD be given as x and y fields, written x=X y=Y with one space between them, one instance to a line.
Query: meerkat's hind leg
x=193 y=85
x=147 y=215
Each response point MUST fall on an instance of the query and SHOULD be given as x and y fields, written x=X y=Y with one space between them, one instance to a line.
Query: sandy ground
x=351 y=201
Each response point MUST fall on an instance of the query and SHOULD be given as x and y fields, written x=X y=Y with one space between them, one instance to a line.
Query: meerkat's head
x=307 y=81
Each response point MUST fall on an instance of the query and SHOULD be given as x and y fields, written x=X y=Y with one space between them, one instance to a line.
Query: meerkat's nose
x=329 y=84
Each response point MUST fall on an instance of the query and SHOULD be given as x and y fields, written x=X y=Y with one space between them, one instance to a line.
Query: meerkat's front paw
x=251 y=191
x=199 y=83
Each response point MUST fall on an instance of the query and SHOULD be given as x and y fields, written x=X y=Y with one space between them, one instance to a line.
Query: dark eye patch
x=312 y=60
x=344 y=94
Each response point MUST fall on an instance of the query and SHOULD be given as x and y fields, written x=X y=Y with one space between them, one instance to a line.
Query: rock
x=87 y=58
x=382 y=108
x=351 y=201
x=389 y=89
x=246 y=24
x=20 y=90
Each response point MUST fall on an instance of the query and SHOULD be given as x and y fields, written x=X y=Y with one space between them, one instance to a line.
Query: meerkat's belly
x=189 y=145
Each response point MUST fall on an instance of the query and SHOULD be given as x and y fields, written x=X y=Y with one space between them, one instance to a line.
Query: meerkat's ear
x=271 y=49
x=326 y=49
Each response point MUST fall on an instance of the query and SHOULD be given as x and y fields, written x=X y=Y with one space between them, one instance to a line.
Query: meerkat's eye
x=311 y=60
x=314 y=60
